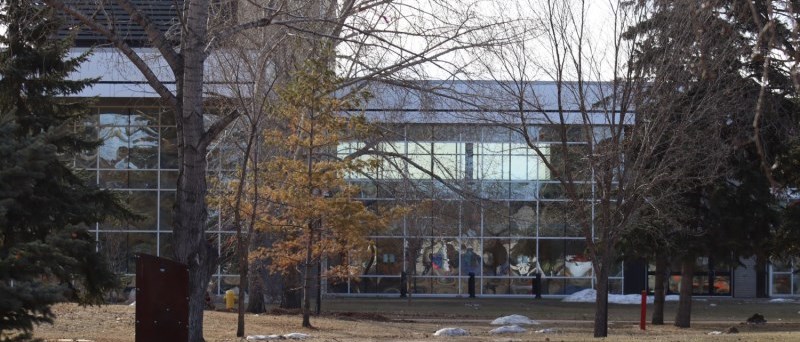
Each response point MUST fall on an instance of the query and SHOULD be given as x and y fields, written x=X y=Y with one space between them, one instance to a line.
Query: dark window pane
x=169 y=179
x=165 y=210
x=114 y=179
x=495 y=257
x=145 y=204
x=551 y=257
x=119 y=249
x=143 y=179
x=169 y=148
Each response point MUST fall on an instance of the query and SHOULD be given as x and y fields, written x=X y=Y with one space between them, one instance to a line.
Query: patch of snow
x=263 y=337
x=513 y=320
x=451 y=332
x=546 y=331
x=296 y=336
x=780 y=300
x=132 y=304
x=508 y=329
x=291 y=336
x=712 y=305
x=590 y=295
x=715 y=333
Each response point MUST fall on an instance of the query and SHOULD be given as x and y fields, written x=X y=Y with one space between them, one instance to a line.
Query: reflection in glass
x=165 y=210
x=437 y=257
x=522 y=286
x=169 y=148
x=615 y=286
x=496 y=285
x=128 y=148
x=143 y=179
x=165 y=248
x=470 y=258
x=389 y=257
x=551 y=257
x=577 y=263
x=495 y=219
x=523 y=219
x=114 y=179
x=495 y=257
x=524 y=190
x=575 y=285
x=373 y=284
x=470 y=219
x=552 y=219
x=144 y=117
x=169 y=179
x=143 y=145
x=120 y=248
x=446 y=218
x=782 y=284
x=144 y=203
x=523 y=258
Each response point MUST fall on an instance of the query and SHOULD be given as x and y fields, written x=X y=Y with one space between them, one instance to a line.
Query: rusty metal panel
x=162 y=299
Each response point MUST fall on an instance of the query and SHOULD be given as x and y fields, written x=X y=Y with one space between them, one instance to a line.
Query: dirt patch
x=363 y=316
x=282 y=311
x=116 y=323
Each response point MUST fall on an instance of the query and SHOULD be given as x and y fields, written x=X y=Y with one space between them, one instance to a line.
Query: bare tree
x=377 y=33
x=591 y=130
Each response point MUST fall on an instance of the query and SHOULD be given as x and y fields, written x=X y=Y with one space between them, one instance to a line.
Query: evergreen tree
x=700 y=59
x=46 y=254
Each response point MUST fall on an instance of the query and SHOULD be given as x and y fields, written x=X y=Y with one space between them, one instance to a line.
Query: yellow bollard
x=230 y=299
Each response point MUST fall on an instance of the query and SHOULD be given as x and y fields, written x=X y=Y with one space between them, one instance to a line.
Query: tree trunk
x=601 y=304
x=191 y=246
x=761 y=277
x=243 y=288
x=307 y=278
x=659 y=292
x=684 y=316
x=256 y=287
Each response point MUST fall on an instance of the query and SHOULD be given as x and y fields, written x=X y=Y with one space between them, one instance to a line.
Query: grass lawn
x=383 y=319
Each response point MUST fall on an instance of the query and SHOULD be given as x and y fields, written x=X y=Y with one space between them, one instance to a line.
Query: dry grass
x=365 y=320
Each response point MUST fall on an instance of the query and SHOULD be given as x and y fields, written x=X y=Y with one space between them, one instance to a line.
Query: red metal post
x=644 y=310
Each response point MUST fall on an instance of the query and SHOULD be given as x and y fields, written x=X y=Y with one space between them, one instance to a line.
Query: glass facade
x=511 y=218
x=517 y=220
x=139 y=158
x=784 y=278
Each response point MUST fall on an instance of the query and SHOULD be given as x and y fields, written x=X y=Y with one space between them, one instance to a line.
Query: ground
x=374 y=319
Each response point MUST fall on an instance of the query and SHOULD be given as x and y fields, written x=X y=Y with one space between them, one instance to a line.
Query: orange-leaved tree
x=310 y=204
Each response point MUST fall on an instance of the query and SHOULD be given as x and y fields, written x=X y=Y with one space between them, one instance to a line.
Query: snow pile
x=513 y=320
x=451 y=332
x=589 y=296
x=296 y=336
x=715 y=333
x=780 y=300
x=263 y=337
x=546 y=331
x=291 y=336
x=508 y=329
x=132 y=304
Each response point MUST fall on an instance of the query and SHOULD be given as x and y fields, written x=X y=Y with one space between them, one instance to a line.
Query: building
x=518 y=220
